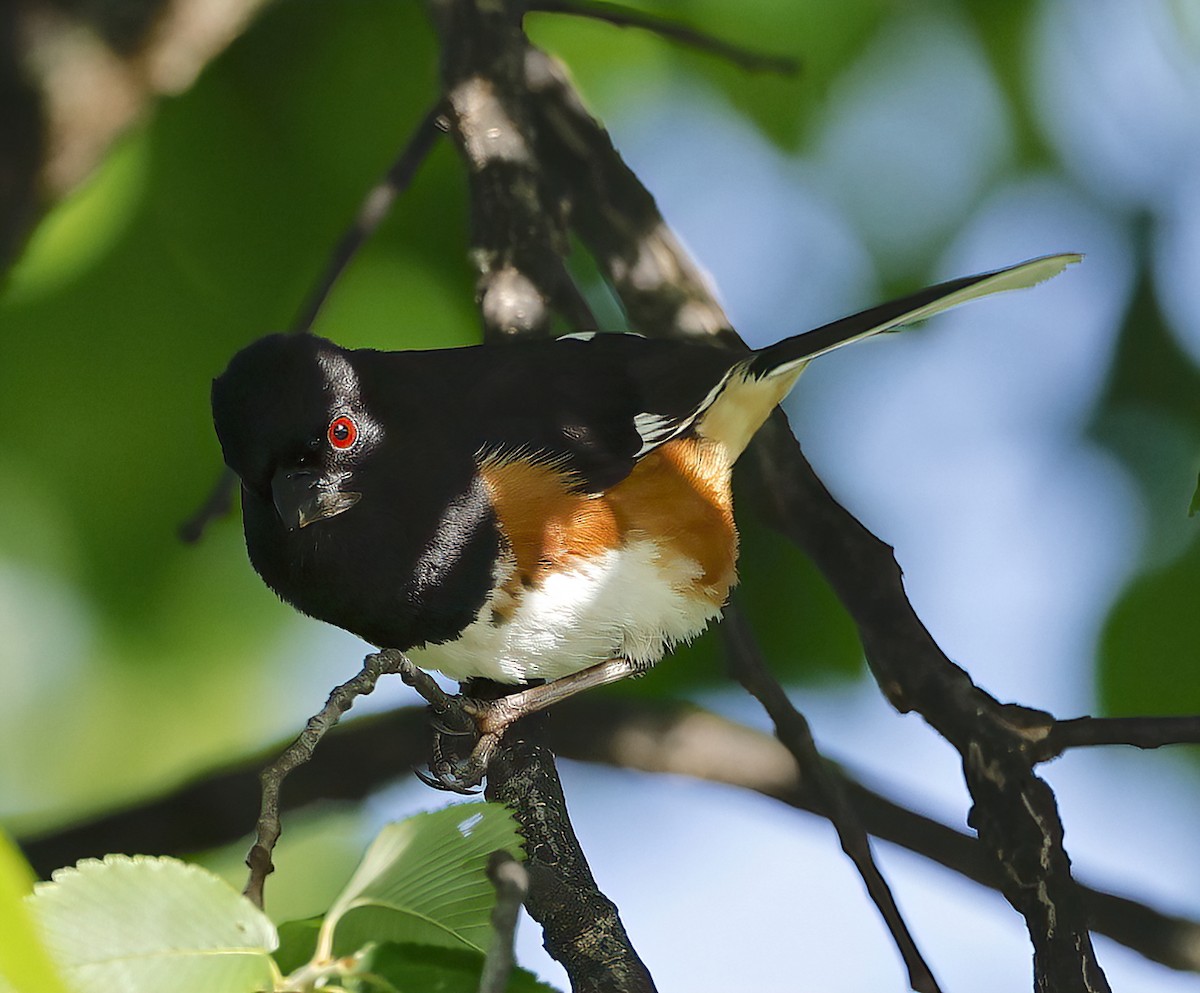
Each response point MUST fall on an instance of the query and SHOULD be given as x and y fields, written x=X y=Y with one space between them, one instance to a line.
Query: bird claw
x=444 y=778
x=485 y=721
x=444 y=727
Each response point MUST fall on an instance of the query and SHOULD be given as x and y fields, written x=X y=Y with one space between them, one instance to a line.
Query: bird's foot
x=485 y=722
x=482 y=723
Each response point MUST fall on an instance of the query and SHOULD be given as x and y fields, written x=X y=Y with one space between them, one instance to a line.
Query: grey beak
x=300 y=500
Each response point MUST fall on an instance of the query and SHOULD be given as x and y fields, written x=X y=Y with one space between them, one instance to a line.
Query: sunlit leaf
x=423 y=881
x=25 y=966
x=145 y=925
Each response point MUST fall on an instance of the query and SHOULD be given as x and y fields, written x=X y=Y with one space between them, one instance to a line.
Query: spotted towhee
x=542 y=510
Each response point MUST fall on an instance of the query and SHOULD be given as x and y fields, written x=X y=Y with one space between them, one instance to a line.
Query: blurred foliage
x=1150 y=419
x=25 y=965
x=207 y=226
x=423 y=968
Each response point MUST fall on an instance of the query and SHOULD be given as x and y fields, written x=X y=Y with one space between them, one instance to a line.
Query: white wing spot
x=653 y=429
x=589 y=335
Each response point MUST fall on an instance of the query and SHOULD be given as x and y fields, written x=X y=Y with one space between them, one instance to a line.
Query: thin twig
x=511 y=881
x=268 y=828
x=627 y=17
x=216 y=505
x=748 y=667
x=1139 y=732
x=374 y=209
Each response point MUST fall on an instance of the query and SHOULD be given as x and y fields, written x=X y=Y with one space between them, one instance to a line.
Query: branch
x=581 y=926
x=519 y=242
x=216 y=505
x=371 y=213
x=629 y=17
x=268 y=828
x=1014 y=811
x=1140 y=732
x=511 y=881
x=518 y=233
x=671 y=738
x=664 y=292
x=746 y=663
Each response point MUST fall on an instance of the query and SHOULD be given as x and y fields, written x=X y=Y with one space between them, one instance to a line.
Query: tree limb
x=581 y=926
x=511 y=882
x=364 y=755
x=519 y=243
x=1014 y=811
x=792 y=730
x=1139 y=732
x=629 y=17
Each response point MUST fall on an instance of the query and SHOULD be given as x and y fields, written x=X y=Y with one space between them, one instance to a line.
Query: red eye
x=342 y=433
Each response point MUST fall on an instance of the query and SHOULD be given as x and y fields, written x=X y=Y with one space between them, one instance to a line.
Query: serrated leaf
x=145 y=925
x=423 y=880
x=25 y=966
x=427 y=969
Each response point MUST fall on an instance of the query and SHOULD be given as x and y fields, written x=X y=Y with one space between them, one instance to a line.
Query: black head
x=293 y=426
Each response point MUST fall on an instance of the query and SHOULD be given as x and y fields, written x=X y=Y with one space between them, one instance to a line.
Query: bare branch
x=628 y=17
x=749 y=669
x=581 y=926
x=1139 y=732
x=511 y=881
x=371 y=213
x=216 y=505
x=664 y=292
x=268 y=828
x=518 y=232
x=670 y=738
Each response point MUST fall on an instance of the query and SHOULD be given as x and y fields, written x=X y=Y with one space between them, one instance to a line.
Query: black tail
x=906 y=310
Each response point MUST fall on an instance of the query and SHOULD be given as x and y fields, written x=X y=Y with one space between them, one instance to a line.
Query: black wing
x=595 y=405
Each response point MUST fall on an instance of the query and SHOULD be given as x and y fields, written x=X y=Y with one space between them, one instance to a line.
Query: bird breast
x=583 y=577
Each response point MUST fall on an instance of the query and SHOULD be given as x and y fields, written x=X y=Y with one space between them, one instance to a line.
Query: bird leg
x=489 y=720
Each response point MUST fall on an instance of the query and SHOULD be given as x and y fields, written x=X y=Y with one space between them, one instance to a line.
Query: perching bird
x=527 y=511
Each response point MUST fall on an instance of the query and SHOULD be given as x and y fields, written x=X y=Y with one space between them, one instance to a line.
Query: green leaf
x=146 y=925
x=1194 y=506
x=423 y=880
x=427 y=969
x=25 y=965
x=1147 y=658
x=297 y=943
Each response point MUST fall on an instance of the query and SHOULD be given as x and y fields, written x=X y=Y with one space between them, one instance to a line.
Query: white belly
x=630 y=602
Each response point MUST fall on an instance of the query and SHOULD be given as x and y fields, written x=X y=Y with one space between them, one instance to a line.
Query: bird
x=553 y=513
